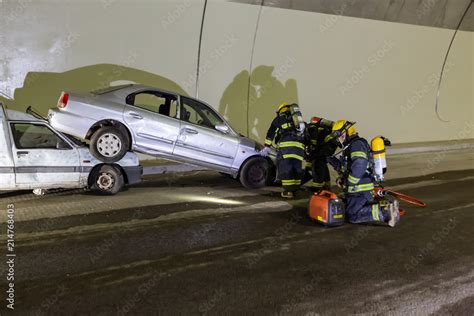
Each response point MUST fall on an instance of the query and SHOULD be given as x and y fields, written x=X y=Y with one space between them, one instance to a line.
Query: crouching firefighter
x=319 y=146
x=354 y=166
x=287 y=131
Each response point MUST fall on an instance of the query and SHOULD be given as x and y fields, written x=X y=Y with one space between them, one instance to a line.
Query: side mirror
x=222 y=128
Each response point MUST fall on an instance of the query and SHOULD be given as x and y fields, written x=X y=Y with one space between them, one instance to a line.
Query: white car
x=34 y=156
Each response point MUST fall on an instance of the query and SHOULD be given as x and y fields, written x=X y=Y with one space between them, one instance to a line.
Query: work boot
x=394 y=213
x=287 y=195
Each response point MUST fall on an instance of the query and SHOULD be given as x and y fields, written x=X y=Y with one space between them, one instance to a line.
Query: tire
x=106 y=180
x=109 y=144
x=254 y=173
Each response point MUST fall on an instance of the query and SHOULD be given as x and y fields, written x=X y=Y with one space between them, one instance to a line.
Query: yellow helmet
x=284 y=107
x=342 y=126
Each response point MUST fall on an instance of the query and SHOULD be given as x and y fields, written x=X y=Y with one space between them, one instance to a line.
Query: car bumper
x=133 y=174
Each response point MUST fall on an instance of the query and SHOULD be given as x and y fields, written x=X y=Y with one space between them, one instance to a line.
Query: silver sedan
x=163 y=124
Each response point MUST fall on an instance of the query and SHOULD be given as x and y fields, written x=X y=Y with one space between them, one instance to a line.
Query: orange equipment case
x=327 y=209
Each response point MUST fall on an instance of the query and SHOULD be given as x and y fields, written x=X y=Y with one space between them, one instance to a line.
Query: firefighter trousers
x=290 y=172
x=320 y=171
x=361 y=208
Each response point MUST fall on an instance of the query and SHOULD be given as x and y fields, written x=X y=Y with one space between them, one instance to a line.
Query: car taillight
x=63 y=99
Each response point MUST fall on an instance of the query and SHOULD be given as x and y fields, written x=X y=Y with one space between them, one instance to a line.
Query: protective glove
x=265 y=151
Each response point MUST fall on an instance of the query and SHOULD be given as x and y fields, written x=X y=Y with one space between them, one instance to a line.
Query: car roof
x=13 y=115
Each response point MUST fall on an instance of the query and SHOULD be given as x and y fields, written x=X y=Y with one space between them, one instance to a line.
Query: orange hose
x=402 y=197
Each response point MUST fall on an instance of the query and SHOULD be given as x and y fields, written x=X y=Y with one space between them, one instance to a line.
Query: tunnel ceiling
x=434 y=13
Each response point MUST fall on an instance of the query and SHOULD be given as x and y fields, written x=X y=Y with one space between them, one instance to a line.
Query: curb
x=182 y=168
x=428 y=149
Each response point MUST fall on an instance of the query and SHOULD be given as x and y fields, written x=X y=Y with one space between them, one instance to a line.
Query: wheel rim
x=257 y=173
x=105 y=181
x=109 y=145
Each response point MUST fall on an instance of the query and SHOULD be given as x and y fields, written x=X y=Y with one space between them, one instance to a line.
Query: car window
x=163 y=104
x=198 y=113
x=36 y=136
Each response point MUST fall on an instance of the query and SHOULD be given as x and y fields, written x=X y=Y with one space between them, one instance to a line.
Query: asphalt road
x=200 y=244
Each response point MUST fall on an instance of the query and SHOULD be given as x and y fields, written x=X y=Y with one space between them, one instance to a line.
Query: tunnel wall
x=375 y=63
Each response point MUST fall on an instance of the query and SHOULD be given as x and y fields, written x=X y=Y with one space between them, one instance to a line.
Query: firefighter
x=319 y=146
x=290 y=149
x=357 y=180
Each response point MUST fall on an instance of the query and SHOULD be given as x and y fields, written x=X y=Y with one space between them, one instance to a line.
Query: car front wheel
x=254 y=173
x=106 y=180
x=109 y=144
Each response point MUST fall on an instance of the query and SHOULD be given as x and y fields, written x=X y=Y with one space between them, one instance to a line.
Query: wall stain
x=267 y=91
x=42 y=89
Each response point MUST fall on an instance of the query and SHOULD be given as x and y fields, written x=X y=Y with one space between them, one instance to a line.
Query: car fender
x=111 y=122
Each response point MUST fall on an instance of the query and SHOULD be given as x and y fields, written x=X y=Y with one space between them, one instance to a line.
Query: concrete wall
x=376 y=63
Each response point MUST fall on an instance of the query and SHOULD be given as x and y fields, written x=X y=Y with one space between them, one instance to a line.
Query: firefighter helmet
x=284 y=107
x=342 y=126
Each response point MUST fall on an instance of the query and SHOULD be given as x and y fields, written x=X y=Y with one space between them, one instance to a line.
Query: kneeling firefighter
x=355 y=168
x=287 y=131
x=319 y=146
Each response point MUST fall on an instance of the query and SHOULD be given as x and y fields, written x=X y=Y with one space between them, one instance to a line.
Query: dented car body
x=163 y=124
x=33 y=155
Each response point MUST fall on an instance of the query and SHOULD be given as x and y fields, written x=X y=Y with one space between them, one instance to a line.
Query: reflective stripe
x=314 y=142
x=353 y=180
x=317 y=184
x=293 y=156
x=285 y=126
x=268 y=142
x=359 y=154
x=375 y=212
x=360 y=188
x=291 y=144
x=328 y=138
x=291 y=182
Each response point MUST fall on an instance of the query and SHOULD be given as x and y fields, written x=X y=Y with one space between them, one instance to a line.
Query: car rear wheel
x=106 y=180
x=109 y=144
x=254 y=173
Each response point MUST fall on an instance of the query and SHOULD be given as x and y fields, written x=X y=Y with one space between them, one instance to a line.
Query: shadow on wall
x=42 y=89
x=251 y=112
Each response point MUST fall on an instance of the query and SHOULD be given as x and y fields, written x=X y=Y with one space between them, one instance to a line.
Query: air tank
x=380 y=161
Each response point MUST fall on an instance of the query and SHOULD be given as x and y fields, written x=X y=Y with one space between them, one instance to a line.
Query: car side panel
x=70 y=123
x=81 y=113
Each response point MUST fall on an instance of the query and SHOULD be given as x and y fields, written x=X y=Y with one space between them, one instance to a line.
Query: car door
x=199 y=139
x=153 y=118
x=43 y=157
x=7 y=170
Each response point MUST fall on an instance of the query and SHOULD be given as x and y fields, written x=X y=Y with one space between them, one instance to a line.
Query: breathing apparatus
x=296 y=118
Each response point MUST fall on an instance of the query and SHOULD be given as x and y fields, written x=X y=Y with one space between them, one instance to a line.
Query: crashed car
x=163 y=124
x=34 y=156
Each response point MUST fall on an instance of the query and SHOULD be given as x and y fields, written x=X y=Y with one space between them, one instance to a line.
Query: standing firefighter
x=287 y=132
x=357 y=180
x=319 y=146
